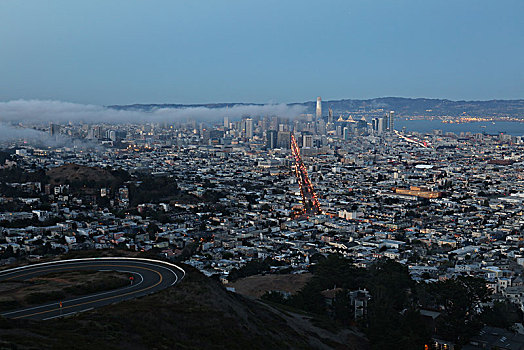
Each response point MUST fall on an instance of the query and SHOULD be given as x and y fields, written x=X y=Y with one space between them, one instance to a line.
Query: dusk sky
x=122 y=52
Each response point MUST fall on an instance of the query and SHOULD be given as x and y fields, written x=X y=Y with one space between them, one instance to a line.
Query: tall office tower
x=271 y=139
x=284 y=139
x=339 y=130
x=274 y=124
x=377 y=125
x=317 y=141
x=108 y=134
x=249 y=128
x=321 y=127
x=54 y=129
x=264 y=124
x=345 y=133
x=381 y=125
x=97 y=132
x=307 y=141
x=226 y=122
x=319 y=108
x=391 y=120
x=330 y=116
x=259 y=126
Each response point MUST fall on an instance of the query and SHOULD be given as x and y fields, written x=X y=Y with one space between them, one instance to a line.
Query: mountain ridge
x=401 y=105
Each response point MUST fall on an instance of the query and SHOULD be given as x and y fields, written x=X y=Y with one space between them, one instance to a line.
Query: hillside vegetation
x=74 y=173
x=198 y=313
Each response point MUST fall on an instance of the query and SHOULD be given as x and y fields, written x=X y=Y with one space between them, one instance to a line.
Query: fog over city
x=36 y=111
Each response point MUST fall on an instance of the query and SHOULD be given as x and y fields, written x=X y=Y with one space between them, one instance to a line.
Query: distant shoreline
x=493 y=126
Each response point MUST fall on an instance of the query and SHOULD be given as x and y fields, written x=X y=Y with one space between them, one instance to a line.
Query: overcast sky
x=195 y=51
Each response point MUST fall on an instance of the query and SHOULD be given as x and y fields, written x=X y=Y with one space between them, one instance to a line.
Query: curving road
x=149 y=276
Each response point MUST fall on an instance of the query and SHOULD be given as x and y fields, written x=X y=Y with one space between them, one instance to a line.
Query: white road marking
x=85 y=260
x=71 y=313
x=13 y=270
x=80 y=298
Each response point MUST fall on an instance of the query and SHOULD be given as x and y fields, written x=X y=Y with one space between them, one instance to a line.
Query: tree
x=9 y=253
x=342 y=309
x=460 y=300
x=501 y=314
x=274 y=297
x=153 y=229
x=309 y=299
x=227 y=255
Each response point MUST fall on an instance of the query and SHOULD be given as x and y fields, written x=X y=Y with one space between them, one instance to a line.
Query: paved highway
x=149 y=276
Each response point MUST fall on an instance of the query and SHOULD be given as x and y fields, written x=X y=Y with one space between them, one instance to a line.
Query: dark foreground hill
x=196 y=314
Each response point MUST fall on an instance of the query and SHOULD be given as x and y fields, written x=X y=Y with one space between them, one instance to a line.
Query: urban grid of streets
x=441 y=203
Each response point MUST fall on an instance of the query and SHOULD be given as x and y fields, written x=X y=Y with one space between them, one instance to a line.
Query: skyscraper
x=226 y=122
x=319 y=108
x=307 y=141
x=271 y=139
x=321 y=127
x=391 y=120
x=97 y=132
x=378 y=126
x=381 y=126
x=249 y=128
x=284 y=139
x=345 y=133
x=330 y=116
x=54 y=129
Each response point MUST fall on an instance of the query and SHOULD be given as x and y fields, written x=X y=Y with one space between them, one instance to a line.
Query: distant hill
x=431 y=107
x=198 y=313
x=74 y=173
x=401 y=105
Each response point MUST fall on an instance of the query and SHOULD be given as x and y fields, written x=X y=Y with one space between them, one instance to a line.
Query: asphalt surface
x=149 y=276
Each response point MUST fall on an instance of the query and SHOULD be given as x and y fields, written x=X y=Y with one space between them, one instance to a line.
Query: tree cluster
x=393 y=319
